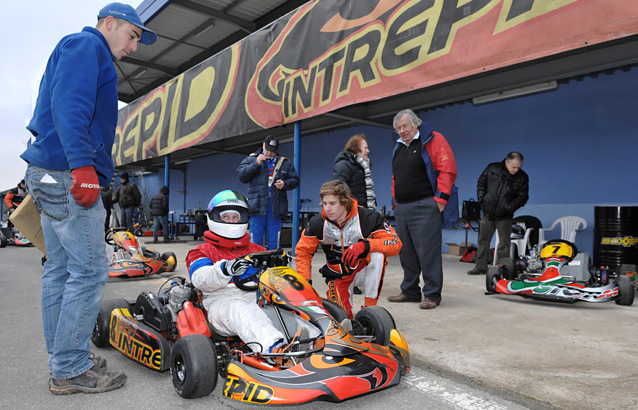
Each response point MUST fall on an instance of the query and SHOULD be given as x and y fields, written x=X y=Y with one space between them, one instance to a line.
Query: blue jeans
x=163 y=219
x=75 y=272
x=265 y=223
x=127 y=218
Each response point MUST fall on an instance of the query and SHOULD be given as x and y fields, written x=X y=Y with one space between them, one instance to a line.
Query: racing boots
x=299 y=343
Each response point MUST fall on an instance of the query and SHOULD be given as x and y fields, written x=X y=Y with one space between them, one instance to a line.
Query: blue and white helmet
x=221 y=203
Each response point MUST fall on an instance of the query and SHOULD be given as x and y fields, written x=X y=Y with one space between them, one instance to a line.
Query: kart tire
x=625 y=291
x=377 y=322
x=337 y=312
x=3 y=242
x=492 y=276
x=194 y=366
x=509 y=268
x=138 y=232
x=171 y=259
x=100 y=337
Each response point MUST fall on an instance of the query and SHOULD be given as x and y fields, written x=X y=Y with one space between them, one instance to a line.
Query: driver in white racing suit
x=214 y=265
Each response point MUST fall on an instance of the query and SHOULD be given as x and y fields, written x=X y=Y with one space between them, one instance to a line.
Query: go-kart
x=559 y=273
x=131 y=260
x=170 y=330
x=11 y=236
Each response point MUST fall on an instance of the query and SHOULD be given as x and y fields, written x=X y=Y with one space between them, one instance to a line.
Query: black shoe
x=95 y=380
x=476 y=271
x=154 y=240
x=168 y=239
x=356 y=291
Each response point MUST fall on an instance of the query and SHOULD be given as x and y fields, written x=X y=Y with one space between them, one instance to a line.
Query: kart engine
x=534 y=262
x=177 y=295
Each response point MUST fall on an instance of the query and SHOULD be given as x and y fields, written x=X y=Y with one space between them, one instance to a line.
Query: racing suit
x=231 y=311
x=14 y=198
x=335 y=238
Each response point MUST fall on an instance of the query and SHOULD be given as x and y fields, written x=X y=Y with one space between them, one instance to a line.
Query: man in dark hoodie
x=502 y=188
x=159 y=210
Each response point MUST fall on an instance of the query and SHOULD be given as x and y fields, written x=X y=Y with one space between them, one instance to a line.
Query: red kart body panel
x=137 y=264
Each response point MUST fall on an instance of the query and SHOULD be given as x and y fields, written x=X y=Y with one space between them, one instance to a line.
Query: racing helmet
x=221 y=203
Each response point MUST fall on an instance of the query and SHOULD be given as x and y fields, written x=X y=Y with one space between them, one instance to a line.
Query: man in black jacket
x=159 y=210
x=129 y=198
x=502 y=188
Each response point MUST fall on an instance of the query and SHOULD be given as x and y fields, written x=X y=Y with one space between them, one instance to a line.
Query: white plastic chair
x=569 y=226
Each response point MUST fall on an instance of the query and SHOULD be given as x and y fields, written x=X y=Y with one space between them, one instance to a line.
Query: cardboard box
x=458 y=249
x=27 y=219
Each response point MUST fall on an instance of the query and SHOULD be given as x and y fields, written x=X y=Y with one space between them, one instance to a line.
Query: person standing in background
x=352 y=166
x=129 y=198
x=73 y=126
x=159 y=210
x=107 y=201
x=423 y=174
x=268 y=176
x=502 y=188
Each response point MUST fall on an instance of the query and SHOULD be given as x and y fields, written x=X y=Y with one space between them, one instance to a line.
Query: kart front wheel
x=377 y=322
x=625 y=291
x=100 y=337
x=509 y=268
x=492 y=276
x=194 y=366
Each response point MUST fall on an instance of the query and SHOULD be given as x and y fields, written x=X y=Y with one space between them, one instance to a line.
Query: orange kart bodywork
x=130 y=259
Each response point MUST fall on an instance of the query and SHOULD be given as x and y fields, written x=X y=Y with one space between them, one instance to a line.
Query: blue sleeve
x=199 y=263
x=73 y=97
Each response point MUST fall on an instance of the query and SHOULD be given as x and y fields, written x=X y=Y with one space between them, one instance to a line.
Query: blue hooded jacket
x=76 y=112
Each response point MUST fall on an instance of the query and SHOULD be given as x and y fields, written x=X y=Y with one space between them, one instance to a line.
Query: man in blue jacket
x=70 y=157
x=268 y=176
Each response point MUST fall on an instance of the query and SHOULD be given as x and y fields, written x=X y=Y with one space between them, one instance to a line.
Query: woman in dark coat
x=352 y=166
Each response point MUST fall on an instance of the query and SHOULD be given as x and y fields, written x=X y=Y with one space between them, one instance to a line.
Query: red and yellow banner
x=330 y=54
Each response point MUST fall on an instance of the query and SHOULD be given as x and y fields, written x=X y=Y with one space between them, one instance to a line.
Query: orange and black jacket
x=334 y=238
x=13 y=198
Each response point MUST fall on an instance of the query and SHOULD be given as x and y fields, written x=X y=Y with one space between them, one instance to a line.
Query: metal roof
x=188 y=32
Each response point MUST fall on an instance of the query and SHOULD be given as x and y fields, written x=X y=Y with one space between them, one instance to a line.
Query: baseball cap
x=128 y=13
x=271 y=143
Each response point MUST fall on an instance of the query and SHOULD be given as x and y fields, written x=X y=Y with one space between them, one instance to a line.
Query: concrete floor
x=578 y=356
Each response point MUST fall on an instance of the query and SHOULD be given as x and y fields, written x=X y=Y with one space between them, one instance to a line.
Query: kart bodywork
x=170 y=331
x=546 y=278
x=130 y=259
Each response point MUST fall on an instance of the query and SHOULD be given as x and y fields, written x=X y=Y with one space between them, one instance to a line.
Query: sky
x=30 y=31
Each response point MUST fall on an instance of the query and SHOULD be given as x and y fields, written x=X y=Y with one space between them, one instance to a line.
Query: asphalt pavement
x=533 y=354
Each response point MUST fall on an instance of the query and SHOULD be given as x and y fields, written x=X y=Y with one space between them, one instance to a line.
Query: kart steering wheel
x=558 y=243
x=262 y=261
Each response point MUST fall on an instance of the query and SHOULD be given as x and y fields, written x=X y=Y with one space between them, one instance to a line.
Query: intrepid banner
x=330 y=54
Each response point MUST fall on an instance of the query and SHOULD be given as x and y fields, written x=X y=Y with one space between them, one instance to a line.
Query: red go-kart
x=131 y=260
x=170 y=331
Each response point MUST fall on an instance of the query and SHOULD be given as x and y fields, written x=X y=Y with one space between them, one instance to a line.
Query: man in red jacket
x=423 y=175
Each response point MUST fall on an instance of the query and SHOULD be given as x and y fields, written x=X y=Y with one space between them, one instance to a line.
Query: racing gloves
x=240 y=268
x=86 y=187
x=355 y=252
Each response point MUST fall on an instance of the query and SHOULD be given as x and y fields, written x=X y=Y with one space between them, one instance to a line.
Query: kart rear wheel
x=170 y=258
x=337 y=312
x=100 y=337
x=3 y=242
x=509 y=268
x=492 y=276
x=625 y=291
x=376 y=322
x=194 y=366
